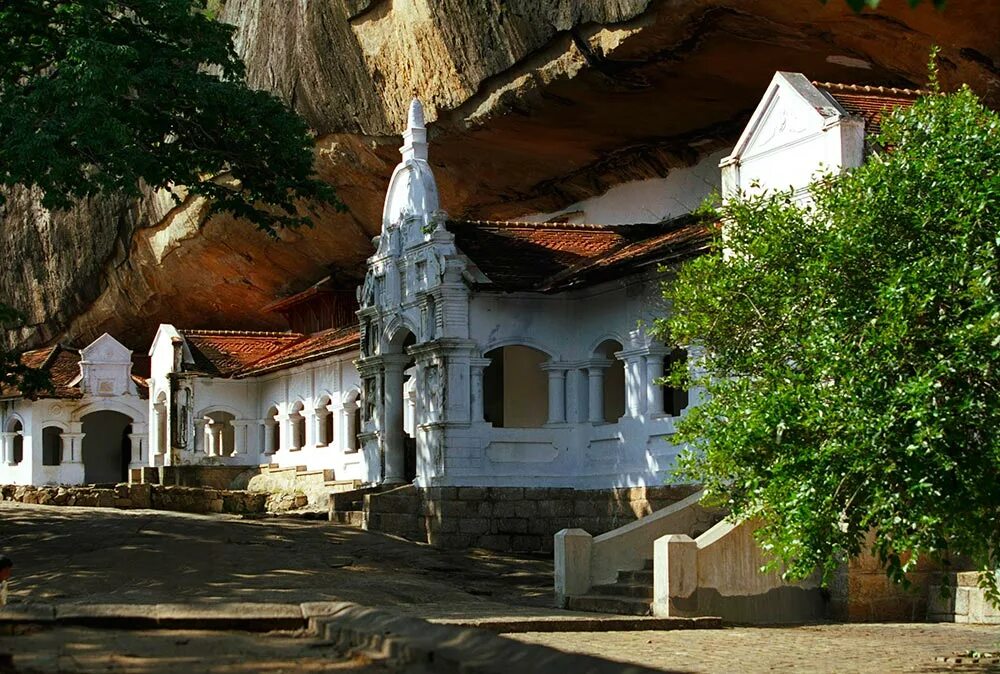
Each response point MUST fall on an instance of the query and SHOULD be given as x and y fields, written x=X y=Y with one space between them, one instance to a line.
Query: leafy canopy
x=98 y=95
x=851 y=351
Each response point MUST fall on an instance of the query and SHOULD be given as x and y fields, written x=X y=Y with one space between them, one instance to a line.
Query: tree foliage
x=851 y=351
x=100 y=95
x=14 y=374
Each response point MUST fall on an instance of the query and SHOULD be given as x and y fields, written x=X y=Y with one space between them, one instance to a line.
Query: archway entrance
x=400 y=436
x=106 y=447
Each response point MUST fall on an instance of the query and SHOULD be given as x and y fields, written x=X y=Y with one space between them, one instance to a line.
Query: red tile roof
x=62 y=364
x=547 y=256
x=223 y=353
x=230 y=353
x=872 y=103
x=313 y=347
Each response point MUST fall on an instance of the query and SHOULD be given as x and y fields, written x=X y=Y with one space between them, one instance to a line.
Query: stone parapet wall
x=210 y=476
x=148 y=496
x=509 y=518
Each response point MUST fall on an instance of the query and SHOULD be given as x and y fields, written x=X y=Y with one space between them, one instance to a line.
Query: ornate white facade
x=90 y=429
x=466 y=383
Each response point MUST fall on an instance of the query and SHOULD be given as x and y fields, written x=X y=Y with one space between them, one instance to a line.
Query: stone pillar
x=393 y=430
x=654 y=372
x=136 y=440
x=675 y=574
x=571 y=548
x=635 y=390
x=319 y=419
x=557 y=392
x=309 y=418
x=201 y=431
x=476 y=394
x=160 y=424
x=285 y=429
x=8 y=447
x=73 y=444
x=338 y=411
x=595 y=380
x=267 y=428
x=241 y=440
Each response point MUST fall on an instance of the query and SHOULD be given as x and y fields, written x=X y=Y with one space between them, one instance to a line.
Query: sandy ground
x=93 y=555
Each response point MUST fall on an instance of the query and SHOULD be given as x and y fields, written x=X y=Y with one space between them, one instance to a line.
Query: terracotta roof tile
x=313 y=347
x=223 y=353
x=872 y=103
x=63 y=366
x=547 y=256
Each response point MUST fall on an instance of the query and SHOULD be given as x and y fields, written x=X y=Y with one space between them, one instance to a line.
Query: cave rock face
x=532 y=106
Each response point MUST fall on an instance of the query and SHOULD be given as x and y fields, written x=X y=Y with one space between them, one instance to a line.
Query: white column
x=393 y=430
x=595 y=381
x=286 y=431
x=476 y=394
x=635 y=389
x=201 y=431
x=160 y=424
x=654 y=372
x=136 y=441
x=309 y=418
x=557 y=392
x=8 y=447
x=241 y=441
x=267 y=428
x=72 y=444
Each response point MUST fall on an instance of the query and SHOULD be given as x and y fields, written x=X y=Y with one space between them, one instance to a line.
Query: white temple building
x=90 y=428
x=475 y=353
x=287 y=399
x=514 y=353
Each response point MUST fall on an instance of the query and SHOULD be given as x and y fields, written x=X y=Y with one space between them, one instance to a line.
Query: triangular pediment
x=792 y=109
x=106 y=349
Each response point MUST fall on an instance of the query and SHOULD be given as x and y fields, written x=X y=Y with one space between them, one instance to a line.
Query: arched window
x=51 y=446
x=674 y=399
x=612 y=405
x=272 y=431
x=220 y=434
x=324 y=423
x=297 y=426
x=17 y=443
x=515 y=388
x=352 y=418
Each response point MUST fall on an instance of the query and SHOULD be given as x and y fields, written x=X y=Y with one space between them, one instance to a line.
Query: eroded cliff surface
x=533 y=105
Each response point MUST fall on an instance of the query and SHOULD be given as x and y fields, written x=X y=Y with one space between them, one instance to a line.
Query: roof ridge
x=240 y=333
x=538 y=225
x=871 y=89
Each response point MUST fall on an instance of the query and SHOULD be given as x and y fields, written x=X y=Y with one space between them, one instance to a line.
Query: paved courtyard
x=871 y=649
x=103 y=556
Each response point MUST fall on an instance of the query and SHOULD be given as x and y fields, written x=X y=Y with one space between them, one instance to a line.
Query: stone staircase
x=297 y=488
x=631 y=594
x=347 y=506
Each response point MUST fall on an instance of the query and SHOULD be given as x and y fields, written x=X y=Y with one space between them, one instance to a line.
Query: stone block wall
x=509 y=518
x=210 y=476
x=148 y=496
x=961 y=601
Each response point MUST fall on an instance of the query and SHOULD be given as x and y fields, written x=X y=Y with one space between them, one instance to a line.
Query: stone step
x=628 y=590
x=637 y=577
x=602 y=604
x=352 y=518
x=339 y=486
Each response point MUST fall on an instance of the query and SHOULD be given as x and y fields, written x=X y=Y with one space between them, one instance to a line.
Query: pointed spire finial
x=416 y=116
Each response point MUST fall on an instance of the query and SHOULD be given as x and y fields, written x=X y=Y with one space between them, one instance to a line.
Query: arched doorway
x=400 y=443
x=107 y=450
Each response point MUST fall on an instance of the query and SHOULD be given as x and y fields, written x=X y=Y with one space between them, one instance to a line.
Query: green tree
x=15 y=375
x=101 y=96
x=851 y=351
